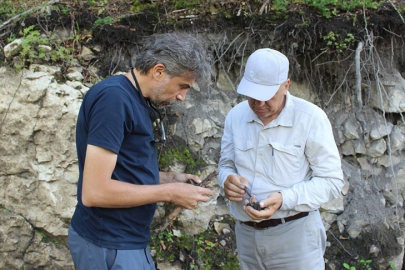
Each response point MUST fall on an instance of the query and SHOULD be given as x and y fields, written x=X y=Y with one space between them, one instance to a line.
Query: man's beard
x=159 y=91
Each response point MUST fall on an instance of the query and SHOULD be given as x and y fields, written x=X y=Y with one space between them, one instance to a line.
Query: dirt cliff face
x=308 y=34
x=326 y=60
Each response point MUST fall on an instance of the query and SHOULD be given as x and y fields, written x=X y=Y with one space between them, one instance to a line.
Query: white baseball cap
x=266 y=69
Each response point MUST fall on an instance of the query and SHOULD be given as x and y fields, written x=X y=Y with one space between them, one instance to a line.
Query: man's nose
x=182 y=95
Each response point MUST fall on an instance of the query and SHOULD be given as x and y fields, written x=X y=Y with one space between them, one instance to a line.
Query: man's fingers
x=237 y=181
x=234 y=194
x=193 y=179
x=235 y=198
x=244 y=181
x=207 y=192
x=204 y=199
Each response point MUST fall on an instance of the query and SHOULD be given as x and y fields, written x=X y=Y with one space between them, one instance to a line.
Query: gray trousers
x=87 y=256
x=295 y=245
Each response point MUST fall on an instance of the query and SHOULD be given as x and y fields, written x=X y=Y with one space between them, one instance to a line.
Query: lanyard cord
x=152 y=116
x=138 y=88
x=140 y=91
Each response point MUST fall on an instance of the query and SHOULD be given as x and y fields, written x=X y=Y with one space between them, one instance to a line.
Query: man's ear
x=159 y=72
x=287 y=85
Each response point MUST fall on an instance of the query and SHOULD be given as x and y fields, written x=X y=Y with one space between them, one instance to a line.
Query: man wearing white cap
x=279 y=162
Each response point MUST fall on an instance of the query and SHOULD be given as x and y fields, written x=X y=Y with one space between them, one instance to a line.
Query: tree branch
x=399 y=13
x=3 y=25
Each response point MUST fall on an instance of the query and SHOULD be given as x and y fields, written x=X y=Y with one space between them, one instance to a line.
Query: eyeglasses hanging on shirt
x=154 y=115
x=158 y=127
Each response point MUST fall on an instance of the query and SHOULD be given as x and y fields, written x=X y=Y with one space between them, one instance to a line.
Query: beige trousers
x=295 y=245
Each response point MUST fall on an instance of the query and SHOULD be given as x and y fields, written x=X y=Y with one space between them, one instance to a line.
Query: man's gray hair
x=182 y=54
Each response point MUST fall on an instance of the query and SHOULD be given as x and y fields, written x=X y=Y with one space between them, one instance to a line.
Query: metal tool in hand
x=254 y=205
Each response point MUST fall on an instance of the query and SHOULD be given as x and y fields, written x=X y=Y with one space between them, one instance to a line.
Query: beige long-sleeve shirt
x=294 y=154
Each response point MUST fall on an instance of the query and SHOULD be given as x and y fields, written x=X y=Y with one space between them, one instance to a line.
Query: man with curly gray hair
x=119 y=178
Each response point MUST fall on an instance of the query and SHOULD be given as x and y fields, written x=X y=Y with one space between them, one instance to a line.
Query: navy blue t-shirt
x=115 y=116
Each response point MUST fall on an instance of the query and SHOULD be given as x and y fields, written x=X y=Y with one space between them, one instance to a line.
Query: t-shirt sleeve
x=109 y=119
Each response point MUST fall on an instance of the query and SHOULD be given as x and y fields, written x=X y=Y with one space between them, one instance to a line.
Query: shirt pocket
x=285 y=164
x=244 y=153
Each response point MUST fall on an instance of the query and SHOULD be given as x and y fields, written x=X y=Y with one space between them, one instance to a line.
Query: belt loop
x=282 y=220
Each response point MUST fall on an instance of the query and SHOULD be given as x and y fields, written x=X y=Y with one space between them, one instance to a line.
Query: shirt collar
x=285 y=118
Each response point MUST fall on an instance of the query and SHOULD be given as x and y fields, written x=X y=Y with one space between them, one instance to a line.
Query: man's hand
x=234 y=187
x=269 y=206
x=181 y=192
x=188 y=196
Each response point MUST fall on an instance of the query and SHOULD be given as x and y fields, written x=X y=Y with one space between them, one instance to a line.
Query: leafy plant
x=11 y=38
x=97 y=2
x=335 y=41
x=138 y=6
x=365 y=264
x=203 y=248
x=346 y=266
x=280 y=5
x=105 y=20
x=32 y=38
x=179 y=4
x=182 y=155
x=327 y=8
x=6 y=8
x=47 y=238
x=362 y=263
x=36 y=46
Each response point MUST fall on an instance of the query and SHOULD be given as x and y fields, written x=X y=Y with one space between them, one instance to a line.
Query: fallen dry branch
x=176 y=211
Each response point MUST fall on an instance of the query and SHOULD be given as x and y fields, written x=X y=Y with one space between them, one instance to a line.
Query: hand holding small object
x=254 y=205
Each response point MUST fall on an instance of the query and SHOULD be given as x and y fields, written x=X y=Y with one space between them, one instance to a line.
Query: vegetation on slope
x=314 y=32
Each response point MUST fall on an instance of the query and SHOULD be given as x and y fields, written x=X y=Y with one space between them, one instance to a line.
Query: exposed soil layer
x=300 y=32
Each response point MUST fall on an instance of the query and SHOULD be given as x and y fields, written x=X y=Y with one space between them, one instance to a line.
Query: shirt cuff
x=289 y=199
